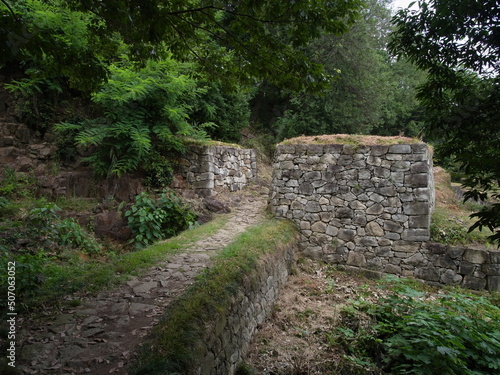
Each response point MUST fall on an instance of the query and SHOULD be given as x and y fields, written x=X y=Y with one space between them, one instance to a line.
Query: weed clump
x=409 y=332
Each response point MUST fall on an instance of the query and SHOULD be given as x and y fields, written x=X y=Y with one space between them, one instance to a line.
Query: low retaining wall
x=227 y=341
x=208 y=168
x=433 y=263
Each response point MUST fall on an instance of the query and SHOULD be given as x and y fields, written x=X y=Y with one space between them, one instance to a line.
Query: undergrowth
x=451 y=227
x=152 y=218
x=78 y=277
x=176 y=340
x=412 y=332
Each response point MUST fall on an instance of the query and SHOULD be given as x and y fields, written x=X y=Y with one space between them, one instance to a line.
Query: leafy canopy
x=369 y=92
x=458 y=43
x=50 y=41
x=239 y=39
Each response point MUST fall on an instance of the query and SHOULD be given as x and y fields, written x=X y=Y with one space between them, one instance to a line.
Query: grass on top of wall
x=351 y=139
x=177 y=339
x=210 y=142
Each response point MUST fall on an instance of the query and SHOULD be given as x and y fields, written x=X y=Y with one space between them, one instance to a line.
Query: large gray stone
x=476 y=256
x=392 y=226
x=417 y=180
x=312 y=206
x=406 y=247
x=445 y=261
x=420 y=167
x=427 y=273
x=466 y=268
x=435 y=248
x=494 y=283
x=311 y=176
x=400 y=149
x=491 y=269
x=417 y=235
x=356 y=259
x=419 y=221
x=475 y=283
x=344 y=213
x=378 y=150
x=375 y=209
x=306 y=188
x=374 y=229
x=346 y=234
x=416 y=259
x=449 y=277
x=319 y=227
x=494 y=256
x=392 y=268
x=416 y=208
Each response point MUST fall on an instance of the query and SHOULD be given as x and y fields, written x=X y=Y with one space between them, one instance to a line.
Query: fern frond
x=141 y=139
x=92 y=136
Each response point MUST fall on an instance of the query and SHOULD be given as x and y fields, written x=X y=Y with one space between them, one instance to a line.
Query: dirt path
x=102 y=335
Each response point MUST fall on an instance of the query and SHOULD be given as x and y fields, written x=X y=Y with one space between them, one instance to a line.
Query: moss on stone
x=351 y=139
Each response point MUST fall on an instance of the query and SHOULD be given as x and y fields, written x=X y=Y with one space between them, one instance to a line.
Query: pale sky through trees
x=396 y=4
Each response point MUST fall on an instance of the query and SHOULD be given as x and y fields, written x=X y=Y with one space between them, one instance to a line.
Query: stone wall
x=210 y=168
x=21 y=148
x=438 y=264
x=369 y=206
x=227 y=340
x=354 y=199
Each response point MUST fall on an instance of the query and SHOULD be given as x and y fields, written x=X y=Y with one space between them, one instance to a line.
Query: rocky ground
x=103 y=334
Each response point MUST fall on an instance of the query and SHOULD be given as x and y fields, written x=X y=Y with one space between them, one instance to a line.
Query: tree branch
x=9 y=8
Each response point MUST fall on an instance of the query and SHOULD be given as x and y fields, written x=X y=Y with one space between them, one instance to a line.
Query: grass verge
x=92 y=276
x=175 y=341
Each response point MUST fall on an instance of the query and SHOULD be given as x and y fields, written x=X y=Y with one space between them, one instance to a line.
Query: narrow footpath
x=103 y=334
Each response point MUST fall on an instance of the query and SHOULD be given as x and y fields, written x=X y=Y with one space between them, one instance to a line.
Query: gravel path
x=103 y=334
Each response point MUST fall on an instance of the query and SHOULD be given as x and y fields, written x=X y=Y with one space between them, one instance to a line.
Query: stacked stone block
x=368 y=207
x=228 y=337
x=354 y=203
x=453 y=265
x=208 y=168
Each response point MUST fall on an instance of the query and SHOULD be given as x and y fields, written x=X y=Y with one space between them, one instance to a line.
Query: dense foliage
x=238 y=40
x=154 y=218
x=38 y=237
x=456 y=42
x=53 y=45
x=145 y=114
x=409 y=333
x=369 y=92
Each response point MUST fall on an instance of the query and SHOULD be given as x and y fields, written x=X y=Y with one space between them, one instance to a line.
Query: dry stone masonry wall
x=369 y=207
x=228 y=339
x=208 y=168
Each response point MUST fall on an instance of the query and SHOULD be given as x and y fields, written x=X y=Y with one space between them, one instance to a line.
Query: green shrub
x=146 y=112
x=454 y=334
x=159 y=172
x=72 y=235
x=452 y=228
x=29 y=272
x=153 y=218
x=16 y=185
